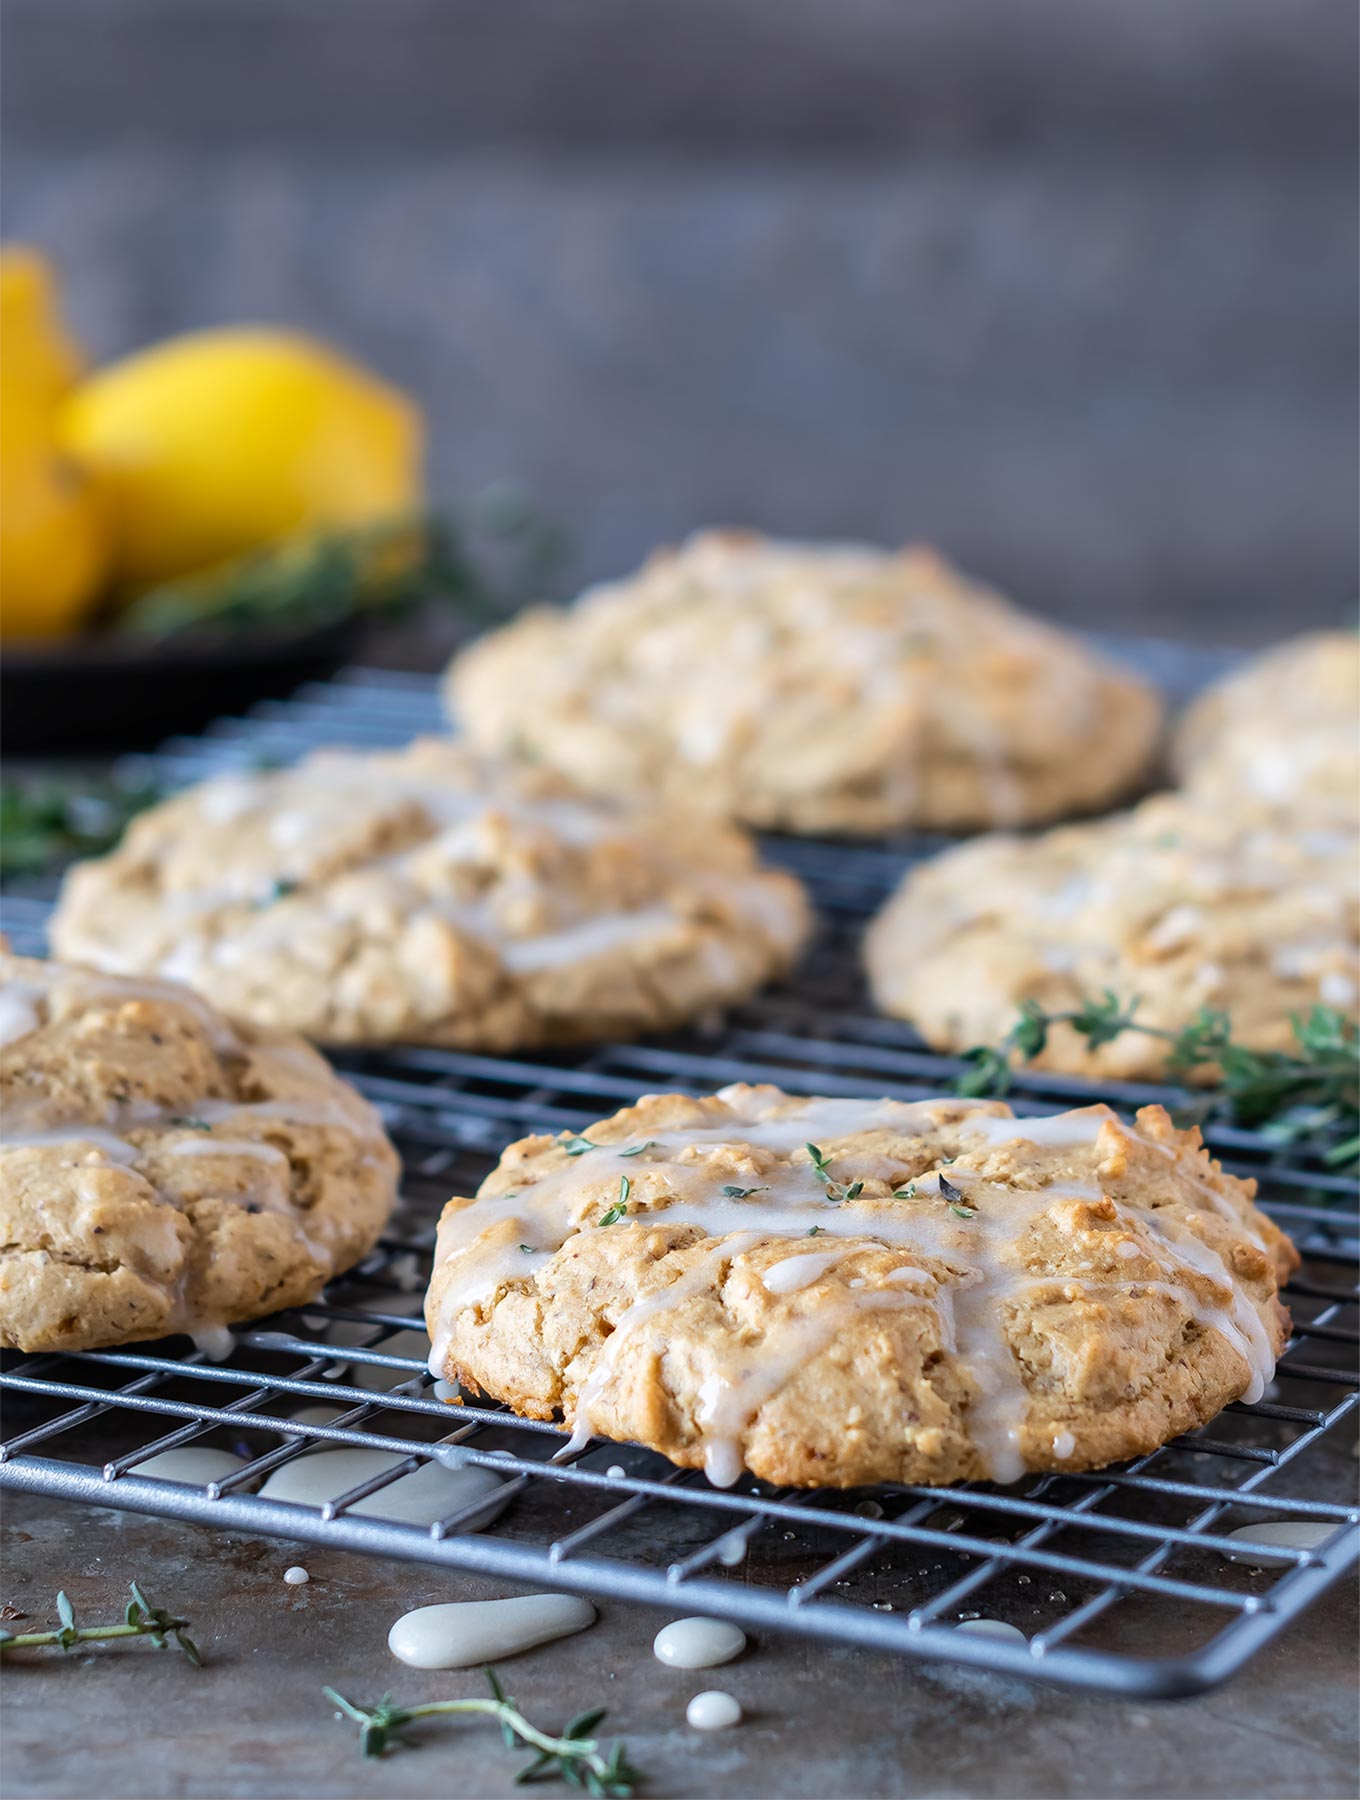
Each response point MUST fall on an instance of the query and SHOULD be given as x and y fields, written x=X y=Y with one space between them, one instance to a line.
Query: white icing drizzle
x=195 y=1464
x=215 y=1341
x=461 y=1634
x=698 y=1643
x=1292 y=1534
x=19 y=1014
x=430 y=1493
x=1056 y=1130
x=993 y=1628
x=79 y=1138
x=500 y=1238
x=296 y=1576
x=215 y=1146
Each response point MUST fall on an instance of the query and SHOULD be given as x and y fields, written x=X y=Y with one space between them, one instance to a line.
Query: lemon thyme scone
x=838 y=1292
x=1283 y=731
x=1178 y=904
x=162 y=1171
x=434 y=896
x=818 y=688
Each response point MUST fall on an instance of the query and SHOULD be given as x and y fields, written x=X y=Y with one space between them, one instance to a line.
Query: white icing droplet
x=297 y=1576
x=698 y=1643
x=993 y=1628
x=1063 y=1445
x=215 y=1341
x=463 y=1633
x=195 y=1464
x=732 y=1549
x=713 y=1711
x=1294 y=1534
x=616 y=1471
x=448 y=1391
x=431 y=1492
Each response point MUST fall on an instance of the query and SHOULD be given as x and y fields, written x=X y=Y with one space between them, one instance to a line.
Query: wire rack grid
x=1127 y=1580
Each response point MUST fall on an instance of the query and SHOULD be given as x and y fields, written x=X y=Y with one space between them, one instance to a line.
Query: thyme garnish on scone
x=572 y=1756
x=140 y=1619
x=1311 y=1093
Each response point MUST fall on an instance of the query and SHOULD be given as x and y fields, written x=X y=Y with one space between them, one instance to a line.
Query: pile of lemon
x=176 y=459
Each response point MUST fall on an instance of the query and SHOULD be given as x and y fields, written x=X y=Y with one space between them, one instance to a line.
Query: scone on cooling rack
x=1178 y=904
x=840 y=1292
x=1281 y=732
x=812 y=688
x=434 y=896
x=162 y=1171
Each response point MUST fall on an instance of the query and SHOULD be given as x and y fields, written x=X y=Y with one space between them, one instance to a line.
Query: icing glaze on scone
x=434 y=896
x=822 y=688
x=1180 y=904
x=833 y=1292
x=162 y=1171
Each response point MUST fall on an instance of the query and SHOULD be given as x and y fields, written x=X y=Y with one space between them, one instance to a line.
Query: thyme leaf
x=620 y=1206
x=639 y=1148
x=740 y=1193
x=577 y=1146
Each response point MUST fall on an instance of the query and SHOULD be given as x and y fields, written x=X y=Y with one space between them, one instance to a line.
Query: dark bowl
x=103 y=692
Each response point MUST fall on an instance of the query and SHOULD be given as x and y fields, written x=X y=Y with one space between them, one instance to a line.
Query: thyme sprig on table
x=1310 y=1092
x=572 y=1756
x=140 y=1619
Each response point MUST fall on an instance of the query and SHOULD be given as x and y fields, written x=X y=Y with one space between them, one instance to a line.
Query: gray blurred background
x=1068 y=287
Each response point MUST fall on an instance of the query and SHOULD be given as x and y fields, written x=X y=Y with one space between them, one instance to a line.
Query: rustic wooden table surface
x=128 y=1721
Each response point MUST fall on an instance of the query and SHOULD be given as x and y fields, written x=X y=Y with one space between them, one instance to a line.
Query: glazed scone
x=839 y=1292
x=162 y=1171
x=812 y=688
x=1283 y=731
x=1178 y=905
x=434 y=896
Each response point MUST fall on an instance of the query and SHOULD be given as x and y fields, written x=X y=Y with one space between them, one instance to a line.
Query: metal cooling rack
x=1123 y=1580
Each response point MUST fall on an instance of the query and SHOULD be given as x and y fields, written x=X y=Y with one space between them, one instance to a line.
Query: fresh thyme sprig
x=573 y=1756
x=140 y=1619
x=836 y=1191
x=61 y=816
x=1312 y=1092
x=482 y=560
x=620 y=1206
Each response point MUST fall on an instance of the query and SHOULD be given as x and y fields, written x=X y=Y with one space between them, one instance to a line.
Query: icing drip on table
x=462 y=1634
x=698 y=1643
x=966 y=1226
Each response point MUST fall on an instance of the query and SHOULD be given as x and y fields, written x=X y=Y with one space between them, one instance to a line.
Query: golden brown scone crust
x=813 y=688
x=434 y=896
x=1282 y=732
x=1058 y=1304
x=161 y=1172
x=1178 y=904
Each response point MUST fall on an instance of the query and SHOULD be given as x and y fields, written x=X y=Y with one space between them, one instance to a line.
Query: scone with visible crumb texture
x=1177 y=904
x=839 y=1292
x=1282 y=732
x=434 y=896
x=161 y=1171
x=812 y=688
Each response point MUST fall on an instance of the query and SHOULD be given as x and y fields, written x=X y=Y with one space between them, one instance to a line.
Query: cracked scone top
x=1281 y=732
x=839 y=1292
x=162 y=1171
x=1179 y=904
x=812 y=688
x=434 y=896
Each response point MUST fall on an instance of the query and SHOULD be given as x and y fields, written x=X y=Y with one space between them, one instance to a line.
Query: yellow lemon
x=36 y=353
x=221 y=441
x=52 y=541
